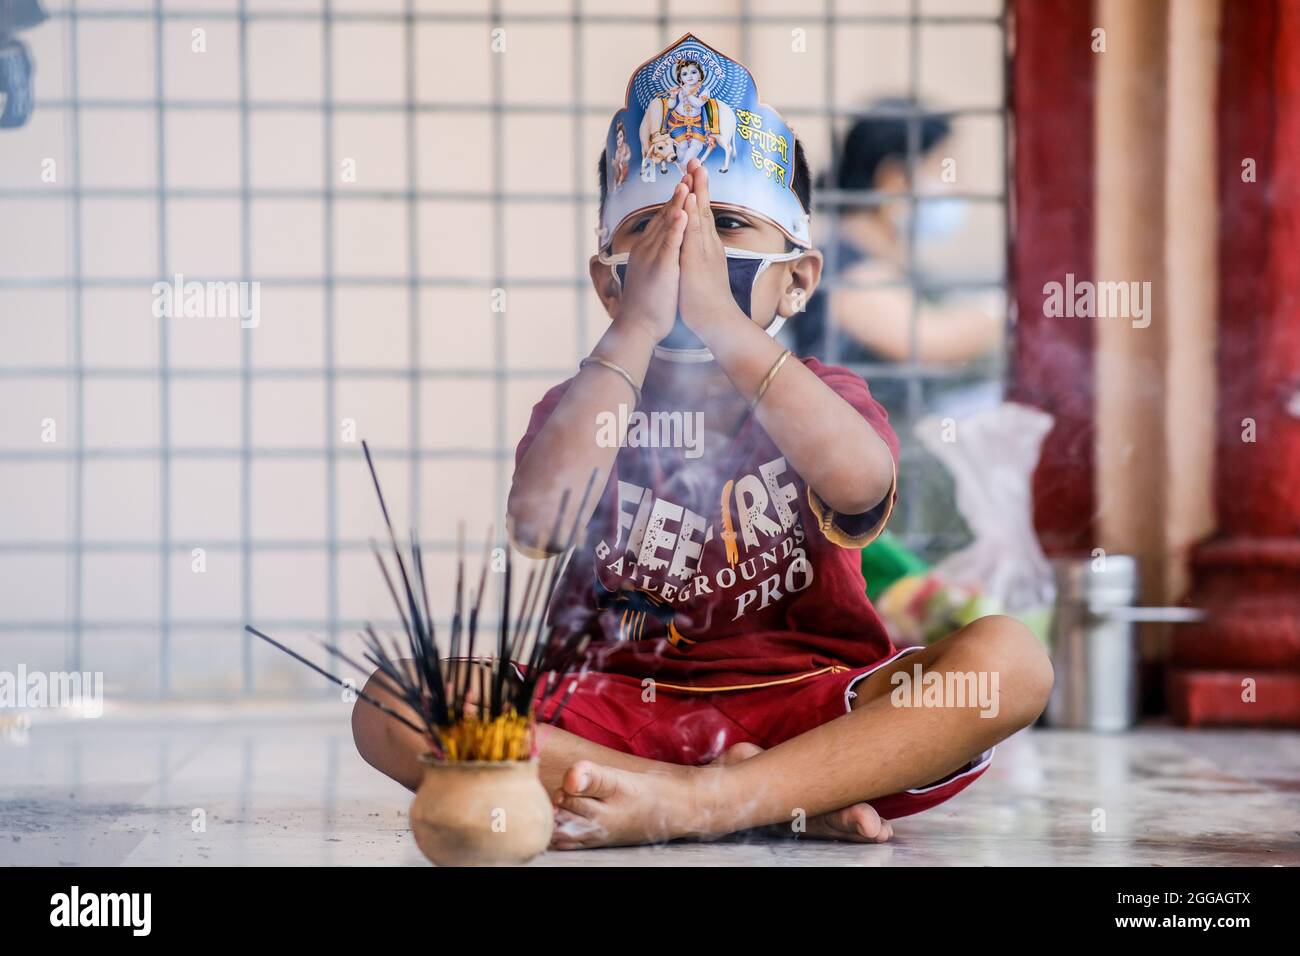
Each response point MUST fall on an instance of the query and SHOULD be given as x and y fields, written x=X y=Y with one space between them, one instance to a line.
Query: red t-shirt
x=721 y=571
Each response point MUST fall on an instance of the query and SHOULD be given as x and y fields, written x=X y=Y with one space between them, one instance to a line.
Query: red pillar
x=1247 y=576
x=1052 y=81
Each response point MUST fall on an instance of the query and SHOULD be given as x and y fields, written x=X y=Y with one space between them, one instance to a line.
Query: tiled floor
x=280 y=784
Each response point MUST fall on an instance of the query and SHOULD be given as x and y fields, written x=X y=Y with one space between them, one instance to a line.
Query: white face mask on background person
x=743 y=269
x=938 y=217
x=938 y=220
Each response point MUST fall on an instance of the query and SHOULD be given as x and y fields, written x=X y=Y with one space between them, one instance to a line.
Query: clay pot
x=481 y=813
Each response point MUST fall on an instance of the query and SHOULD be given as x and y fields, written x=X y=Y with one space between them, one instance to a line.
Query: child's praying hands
x=649 y=297
x=705 y=294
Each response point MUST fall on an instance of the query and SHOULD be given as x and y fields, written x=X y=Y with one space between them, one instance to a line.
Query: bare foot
x=859 y=823
x=597 y=805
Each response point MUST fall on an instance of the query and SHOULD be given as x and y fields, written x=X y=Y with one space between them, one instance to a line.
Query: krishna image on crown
x=686 y=121
x=693 y=102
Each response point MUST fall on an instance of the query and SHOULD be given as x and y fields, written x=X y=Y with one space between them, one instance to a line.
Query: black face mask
x=743 y=269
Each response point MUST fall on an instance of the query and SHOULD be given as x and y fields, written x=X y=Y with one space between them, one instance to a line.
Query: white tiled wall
x=97 y=527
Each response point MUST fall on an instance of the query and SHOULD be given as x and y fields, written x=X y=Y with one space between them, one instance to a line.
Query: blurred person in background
x=872 y=300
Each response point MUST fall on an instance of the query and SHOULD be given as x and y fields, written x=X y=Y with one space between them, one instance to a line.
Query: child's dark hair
x=874 y=139
x=800 y=181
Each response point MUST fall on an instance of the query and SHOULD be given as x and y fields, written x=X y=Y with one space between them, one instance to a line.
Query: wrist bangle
x=767 y=380
x=618 y=369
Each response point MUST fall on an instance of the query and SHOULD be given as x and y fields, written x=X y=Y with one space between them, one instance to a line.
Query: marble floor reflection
x=254 y=784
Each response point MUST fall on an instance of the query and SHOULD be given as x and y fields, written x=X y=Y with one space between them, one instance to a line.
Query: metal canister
x=1093 y=645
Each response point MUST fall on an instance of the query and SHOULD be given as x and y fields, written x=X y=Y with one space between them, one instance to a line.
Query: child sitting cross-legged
x=737 y=676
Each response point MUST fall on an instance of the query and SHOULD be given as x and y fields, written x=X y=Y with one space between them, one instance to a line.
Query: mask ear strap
x=771 y=257
x=614 y=261
x=776 y=324
x=764 y=259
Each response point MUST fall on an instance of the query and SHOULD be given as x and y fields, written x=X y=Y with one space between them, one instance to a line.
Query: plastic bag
x=991 y=455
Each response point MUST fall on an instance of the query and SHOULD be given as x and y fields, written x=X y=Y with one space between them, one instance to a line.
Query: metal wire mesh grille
x=75 y=635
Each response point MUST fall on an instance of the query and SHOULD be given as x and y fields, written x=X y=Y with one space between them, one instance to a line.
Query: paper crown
x=692 y=102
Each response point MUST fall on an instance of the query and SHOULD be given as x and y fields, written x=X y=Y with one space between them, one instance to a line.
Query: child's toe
x=587 y=779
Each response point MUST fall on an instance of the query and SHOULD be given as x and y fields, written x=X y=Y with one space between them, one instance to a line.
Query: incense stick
x=469 y=708
x=320 y=670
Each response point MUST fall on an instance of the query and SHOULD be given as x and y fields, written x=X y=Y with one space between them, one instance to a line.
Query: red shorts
x=688 y=727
